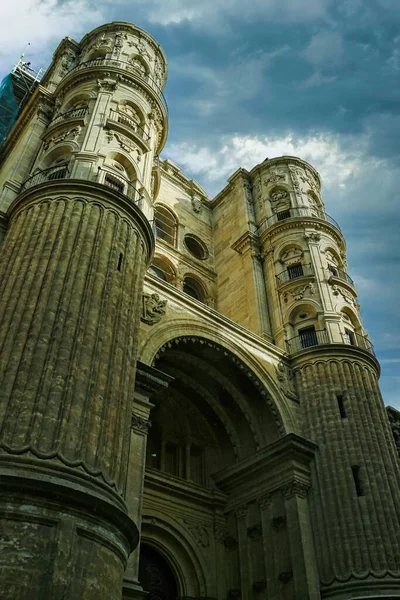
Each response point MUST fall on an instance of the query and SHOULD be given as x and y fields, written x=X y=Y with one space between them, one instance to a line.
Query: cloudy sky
x=315 y=78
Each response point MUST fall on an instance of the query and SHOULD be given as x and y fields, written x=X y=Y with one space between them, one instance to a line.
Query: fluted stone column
x=355 y=501
x=71 y=274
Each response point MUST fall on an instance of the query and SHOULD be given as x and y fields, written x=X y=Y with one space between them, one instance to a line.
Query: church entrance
x=155 y=575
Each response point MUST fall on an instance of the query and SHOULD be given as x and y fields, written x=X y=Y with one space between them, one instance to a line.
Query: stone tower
x=78 y=173
x=312 y=300
x=211 y=391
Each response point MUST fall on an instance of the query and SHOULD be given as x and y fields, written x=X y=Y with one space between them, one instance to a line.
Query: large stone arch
x=168 y=332
x=173 y=541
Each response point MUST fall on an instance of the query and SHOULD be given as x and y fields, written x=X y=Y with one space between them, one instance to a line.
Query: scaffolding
x=15 y=90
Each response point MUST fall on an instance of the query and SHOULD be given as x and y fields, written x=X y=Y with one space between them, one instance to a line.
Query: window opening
x=283 y=214
x=340 y=401
x=295 y=271
x=58 y=173
x=165 y=225
x=114 y=183
x=121 y=256
x=357 y=480
x=333 y=270
x=350 y=337
x=308 y=337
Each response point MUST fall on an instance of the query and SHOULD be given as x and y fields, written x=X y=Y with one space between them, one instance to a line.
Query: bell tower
x=79 y=174
x=312 y=299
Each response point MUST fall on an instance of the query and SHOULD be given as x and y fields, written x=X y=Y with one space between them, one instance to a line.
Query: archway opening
x=211 y=415
x=156 y=576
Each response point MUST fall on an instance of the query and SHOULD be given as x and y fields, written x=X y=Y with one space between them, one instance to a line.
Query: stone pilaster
x=69 y=313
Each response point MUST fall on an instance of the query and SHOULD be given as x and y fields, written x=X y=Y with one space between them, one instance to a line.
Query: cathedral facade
x=189 y=403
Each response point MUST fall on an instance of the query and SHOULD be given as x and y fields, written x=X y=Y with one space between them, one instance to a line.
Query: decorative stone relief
x=197 y=204
x=279 y=522
x=299 y=292
x=254 y=532
x=295 y=488
x=221 y=534
x=153 y=309
x=241 y=511
x=292 y=256
x=101 y=42
x=107 y=84
x=309 y=180
x=265 y=500
x=286 y=380
x=275 y=177
x=248 y=191
x=278 y=196
x=260 y=585
x=295 y=180
x=71 y=134
x=67 y=60
x=312 y=237
x=346 y=295
x=199 y=533
x=141 y=48
x=126 y=143
x=139 y=424
x=285 y=576
x=119 y=44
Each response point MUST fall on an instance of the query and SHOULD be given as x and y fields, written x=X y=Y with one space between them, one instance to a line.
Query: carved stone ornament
x=248 y=191
x=260 y=585
x=347 y=296
x=141 y=47
x=278 y=196
x=312 y=237
x=309 y=180
x=67 y=60
x=254 y=532
x=275 y=177
x=286 y=381
x=70 y=134
x=199 y=533
x=125 y=143
x=107 y=84
x=197 y=204
x=101 y=42
x=119 y=44
x=295 y=488
x=299 y=292
x=279 y=522
x=241 y=511
x=292 y=256
x=295 y=180
x=139 y=424
x=265 y=500
x=285 y=576
x=153 y=308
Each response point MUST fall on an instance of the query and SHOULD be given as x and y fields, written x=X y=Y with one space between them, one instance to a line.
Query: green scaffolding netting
x=8 y=107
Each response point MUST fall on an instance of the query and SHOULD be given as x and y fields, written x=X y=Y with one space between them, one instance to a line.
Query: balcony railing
x=356 y=339
x=109 y=179
x=340 y=274
x=319 y=337
x=74 y=113
x=51 y=174
x=109 y=63
x=299 y=212
x=118 y=184
x=120 y=117
x=293 y=272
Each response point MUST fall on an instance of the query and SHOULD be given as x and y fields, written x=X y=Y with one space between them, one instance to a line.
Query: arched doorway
x=156 y=576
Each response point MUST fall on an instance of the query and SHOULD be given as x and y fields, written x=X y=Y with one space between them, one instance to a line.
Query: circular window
x=196 y=247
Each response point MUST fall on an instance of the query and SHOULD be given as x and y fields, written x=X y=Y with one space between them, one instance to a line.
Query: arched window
x=163 y=269
x=166 y=224
x=193 y=288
